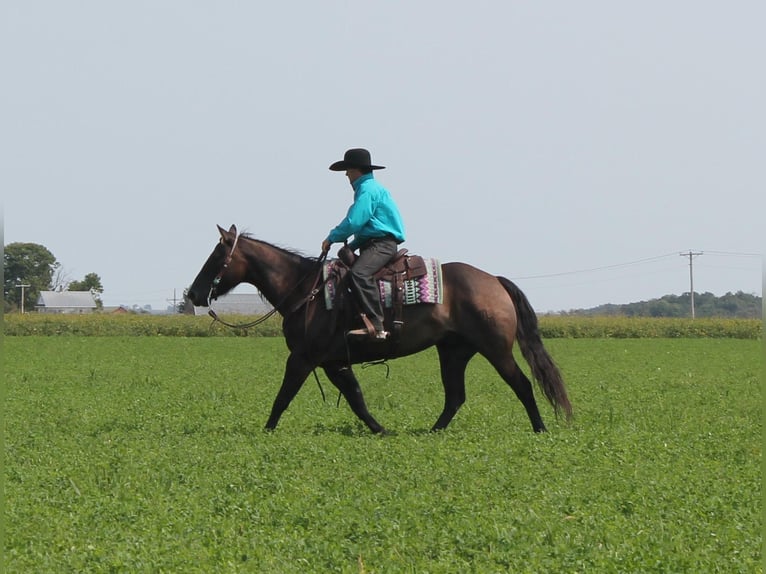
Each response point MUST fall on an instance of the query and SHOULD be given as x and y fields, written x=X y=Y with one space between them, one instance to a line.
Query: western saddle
x=400 y=268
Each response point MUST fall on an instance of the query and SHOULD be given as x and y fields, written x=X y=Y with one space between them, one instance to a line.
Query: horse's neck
x=273 y=271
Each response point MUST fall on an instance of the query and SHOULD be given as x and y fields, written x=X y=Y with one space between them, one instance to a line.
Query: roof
x=237 y=304
x=66 y=299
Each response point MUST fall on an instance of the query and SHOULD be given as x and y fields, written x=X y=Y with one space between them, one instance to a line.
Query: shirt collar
x=357 y=183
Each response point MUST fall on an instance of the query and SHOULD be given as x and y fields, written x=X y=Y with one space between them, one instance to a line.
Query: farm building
x=66 y=302
x=237 y=304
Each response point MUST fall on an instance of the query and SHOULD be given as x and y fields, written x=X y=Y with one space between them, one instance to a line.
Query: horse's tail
x=544 y=370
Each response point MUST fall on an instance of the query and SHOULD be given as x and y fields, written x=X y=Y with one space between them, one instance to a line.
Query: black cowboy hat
x=357 y=158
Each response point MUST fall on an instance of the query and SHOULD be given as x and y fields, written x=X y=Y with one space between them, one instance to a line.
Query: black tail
x=544 y=370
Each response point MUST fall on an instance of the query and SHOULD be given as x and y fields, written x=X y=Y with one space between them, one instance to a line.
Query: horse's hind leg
x=521 y=385
x=454 y=355
x=344 y=379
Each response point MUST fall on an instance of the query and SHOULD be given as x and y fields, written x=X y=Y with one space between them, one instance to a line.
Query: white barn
x=66 y=302
x=237 y=304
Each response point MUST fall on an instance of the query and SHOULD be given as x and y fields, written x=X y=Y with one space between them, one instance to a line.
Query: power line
x=614 y=278
x=729 y=267
x=615 y=266
x=629 y=263
x=734 y=253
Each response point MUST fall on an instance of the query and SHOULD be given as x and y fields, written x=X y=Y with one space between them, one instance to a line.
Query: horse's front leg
x=296 y=371
x=343 y=377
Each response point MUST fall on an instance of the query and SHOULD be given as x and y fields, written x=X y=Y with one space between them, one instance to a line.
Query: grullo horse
x=479 y=313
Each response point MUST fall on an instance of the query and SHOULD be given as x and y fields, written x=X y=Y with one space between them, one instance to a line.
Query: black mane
x=304 y=261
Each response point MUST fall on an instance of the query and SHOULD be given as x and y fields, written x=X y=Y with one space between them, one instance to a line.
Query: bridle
x=225 y=266
x=315 y=288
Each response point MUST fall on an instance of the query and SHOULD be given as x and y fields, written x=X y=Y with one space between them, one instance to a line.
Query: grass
x=147 y=454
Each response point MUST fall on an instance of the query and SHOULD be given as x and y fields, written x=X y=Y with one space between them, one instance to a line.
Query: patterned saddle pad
x=424 y=289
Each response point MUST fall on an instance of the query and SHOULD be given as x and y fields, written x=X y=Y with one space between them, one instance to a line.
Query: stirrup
x=368 y=330
x=365 y=334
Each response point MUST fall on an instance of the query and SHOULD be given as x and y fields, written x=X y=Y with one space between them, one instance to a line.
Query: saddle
x=400 y=268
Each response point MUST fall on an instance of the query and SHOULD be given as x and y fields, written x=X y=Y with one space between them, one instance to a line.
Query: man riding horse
x=374 y=221
x=478 y=312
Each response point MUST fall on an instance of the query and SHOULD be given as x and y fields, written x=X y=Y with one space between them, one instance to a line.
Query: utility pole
x=691 y=254
x=174 y=300
x=22 y=296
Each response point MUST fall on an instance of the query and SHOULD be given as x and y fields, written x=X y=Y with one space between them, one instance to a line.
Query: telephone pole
x=174 y=300
x=22 y=296
x=691 y=254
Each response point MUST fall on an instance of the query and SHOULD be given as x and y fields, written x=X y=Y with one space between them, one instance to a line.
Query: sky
x=578 y=148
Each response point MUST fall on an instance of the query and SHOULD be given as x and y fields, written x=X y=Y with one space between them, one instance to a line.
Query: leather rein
x=315 y=288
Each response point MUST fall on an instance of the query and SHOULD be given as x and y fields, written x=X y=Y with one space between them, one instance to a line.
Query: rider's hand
x=326 y=246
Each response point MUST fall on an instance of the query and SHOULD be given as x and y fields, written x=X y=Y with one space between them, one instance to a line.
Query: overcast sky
x=575 y=147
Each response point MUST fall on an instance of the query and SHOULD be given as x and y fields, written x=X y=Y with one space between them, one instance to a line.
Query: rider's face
x=353 y=174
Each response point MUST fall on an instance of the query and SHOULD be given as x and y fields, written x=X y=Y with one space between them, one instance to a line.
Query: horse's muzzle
x=198 y=299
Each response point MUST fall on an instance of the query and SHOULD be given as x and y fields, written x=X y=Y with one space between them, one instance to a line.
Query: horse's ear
x=225 y=234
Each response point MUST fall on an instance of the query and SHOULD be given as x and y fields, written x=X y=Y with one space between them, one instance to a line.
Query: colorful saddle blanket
x=424 y=289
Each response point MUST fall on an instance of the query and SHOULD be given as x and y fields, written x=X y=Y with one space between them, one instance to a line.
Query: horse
x=479 y=313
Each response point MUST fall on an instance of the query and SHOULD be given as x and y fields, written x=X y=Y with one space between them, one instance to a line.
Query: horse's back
x=465 y=271
x=470 y=292
x=472 y=282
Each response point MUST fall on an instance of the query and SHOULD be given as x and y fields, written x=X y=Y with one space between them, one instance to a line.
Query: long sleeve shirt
x=373 y=214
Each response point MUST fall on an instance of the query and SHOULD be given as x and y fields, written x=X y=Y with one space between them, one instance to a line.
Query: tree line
x=737 y=305
x=35 y=267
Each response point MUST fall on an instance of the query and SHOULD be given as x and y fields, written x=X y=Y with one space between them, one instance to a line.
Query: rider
x=374 y=221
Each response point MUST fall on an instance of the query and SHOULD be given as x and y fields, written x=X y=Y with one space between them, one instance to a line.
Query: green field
x=147 y=454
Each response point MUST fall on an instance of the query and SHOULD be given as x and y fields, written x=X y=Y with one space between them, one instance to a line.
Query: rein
x=258 y=321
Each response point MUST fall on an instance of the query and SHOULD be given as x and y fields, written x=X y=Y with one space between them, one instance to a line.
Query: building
x=237 y=304
x=66 y=302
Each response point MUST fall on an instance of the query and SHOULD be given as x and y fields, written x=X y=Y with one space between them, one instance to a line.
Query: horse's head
x=223 y=270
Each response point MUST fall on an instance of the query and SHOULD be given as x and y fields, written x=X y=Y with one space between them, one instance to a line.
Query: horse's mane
x=301 y=258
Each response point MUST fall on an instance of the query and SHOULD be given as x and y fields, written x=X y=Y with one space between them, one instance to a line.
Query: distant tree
x=659 y=308
x=736 y=305
x=185 y=306
x=92 y=283
x=60 y=280
x=26 y=264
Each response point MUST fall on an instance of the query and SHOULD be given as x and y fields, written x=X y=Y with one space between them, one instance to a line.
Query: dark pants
x=372 y=257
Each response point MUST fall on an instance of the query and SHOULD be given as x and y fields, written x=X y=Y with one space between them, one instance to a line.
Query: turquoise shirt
x=373 y=214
